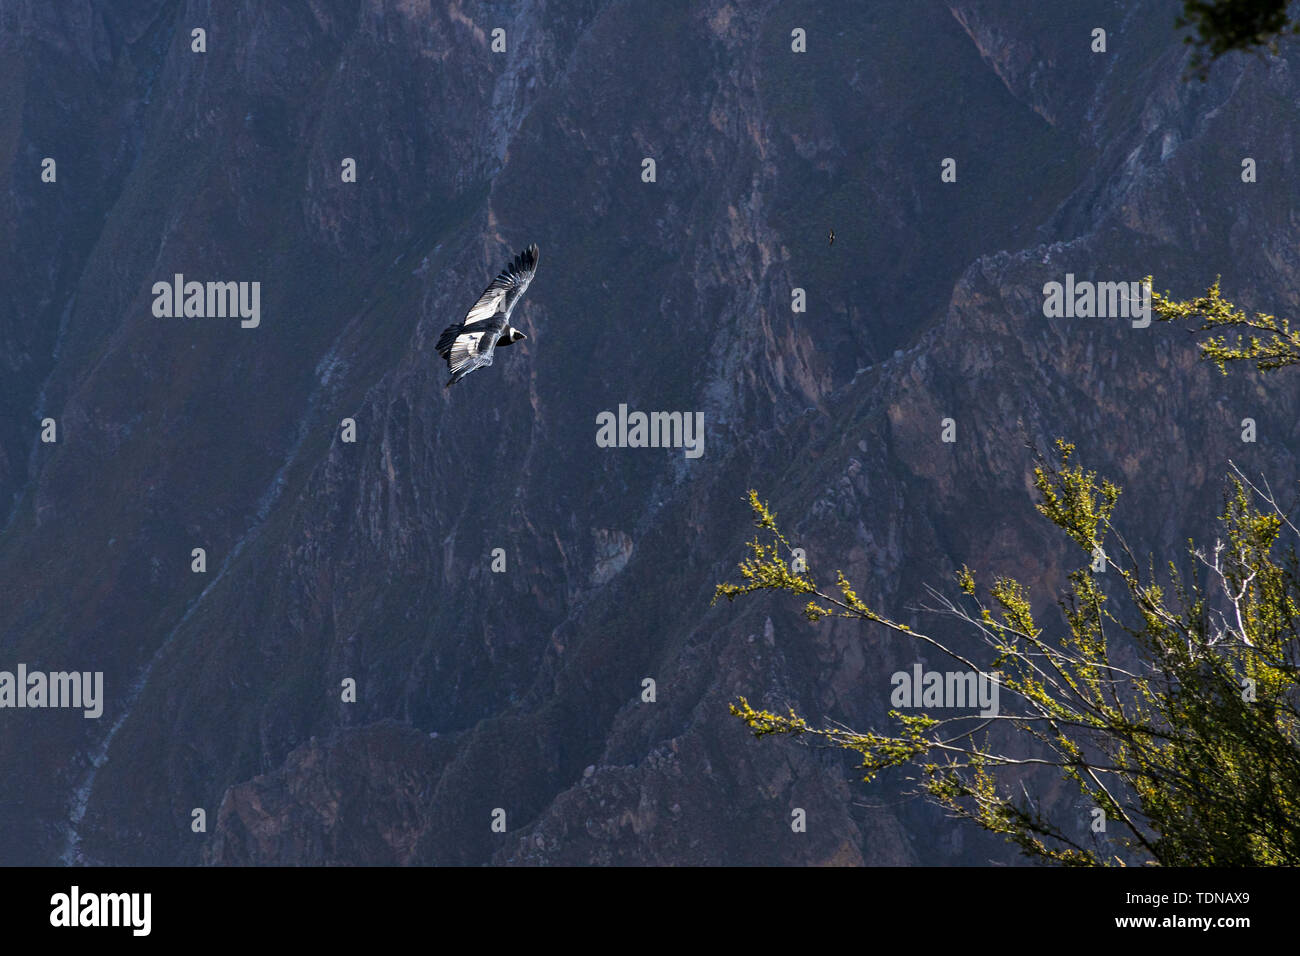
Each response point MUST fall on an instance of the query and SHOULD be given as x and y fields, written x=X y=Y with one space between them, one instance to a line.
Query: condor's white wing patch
x=489 y=304
x=473 y=347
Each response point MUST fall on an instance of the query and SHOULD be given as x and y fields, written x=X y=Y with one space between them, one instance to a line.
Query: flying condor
x=469 y=344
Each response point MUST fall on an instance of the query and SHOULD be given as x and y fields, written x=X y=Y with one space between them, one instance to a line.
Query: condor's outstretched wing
x=469 y=344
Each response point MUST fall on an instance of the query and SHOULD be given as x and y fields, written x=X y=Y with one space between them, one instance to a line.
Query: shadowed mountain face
x=372 y=560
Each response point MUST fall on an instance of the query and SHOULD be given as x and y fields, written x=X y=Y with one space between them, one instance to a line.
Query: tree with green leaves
x=1193 y=754
x=1265 y=340
x=1220 y=26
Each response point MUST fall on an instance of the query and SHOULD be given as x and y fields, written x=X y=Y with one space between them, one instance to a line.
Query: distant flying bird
x=469 y=344
x=832 y=242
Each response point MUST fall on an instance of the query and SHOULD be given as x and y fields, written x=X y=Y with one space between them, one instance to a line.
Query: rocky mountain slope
x=372 y=560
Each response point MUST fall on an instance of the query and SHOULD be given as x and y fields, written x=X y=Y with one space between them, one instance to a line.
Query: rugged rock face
x=522 y=691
